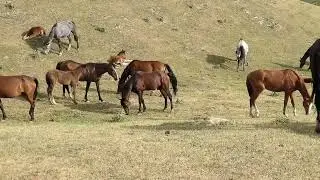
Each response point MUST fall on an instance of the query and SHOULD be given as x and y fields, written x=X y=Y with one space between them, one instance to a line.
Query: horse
x=119 y=59
x=146 y=66
x=34 y=32
x=64 y=78
x=21 y=85
x=142 y=81
x=315 y=71
x=278 y=81
x=91 y=72
x=242 y=50
x=61 y=30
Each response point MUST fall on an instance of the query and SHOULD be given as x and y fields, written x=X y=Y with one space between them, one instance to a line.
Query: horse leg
x=165 y=96
x=50 y=96
x=64 y=88
x=238 y=65
x=318 y=123
x=253 y=98
x=140 y=100
x=286 y=97
x=4 y=116
x=29 y=97
x=60 y=46
x=74 y=86
x=293 y=105
x=98 y=90
x=48 y=47
x=70 y=94
x=70 y=40
x=87 y=89
x=243 y=62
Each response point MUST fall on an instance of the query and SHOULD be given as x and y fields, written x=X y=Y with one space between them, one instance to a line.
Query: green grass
x=209 y=135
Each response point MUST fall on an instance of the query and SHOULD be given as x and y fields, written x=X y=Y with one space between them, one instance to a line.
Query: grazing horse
x=13 y=86
x=91 y=72
x=147 y=66
x=242 y=50
x=61 y=30
x=314 y=55
x=34 y=32
x=64 y=78
x=141 y=81
x=315 y=69
x=277 y=81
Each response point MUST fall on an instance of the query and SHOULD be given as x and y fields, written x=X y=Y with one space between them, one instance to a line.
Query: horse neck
x=303 y=90
x=306 y=55
x=102 y=68
x=127 y=88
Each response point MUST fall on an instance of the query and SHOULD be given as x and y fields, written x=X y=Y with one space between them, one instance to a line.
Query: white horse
x=61 y=30
x=242 y=50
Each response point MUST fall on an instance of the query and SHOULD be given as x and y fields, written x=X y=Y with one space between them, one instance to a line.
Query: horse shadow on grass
x=102 y=107
x=304 y=128
x=286 y=66
x=314 y=2
x=219 y=61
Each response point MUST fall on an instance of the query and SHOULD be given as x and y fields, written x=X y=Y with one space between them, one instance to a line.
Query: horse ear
x=308 y=80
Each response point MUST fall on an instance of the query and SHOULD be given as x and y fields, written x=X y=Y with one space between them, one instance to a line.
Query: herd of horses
x=139 y=76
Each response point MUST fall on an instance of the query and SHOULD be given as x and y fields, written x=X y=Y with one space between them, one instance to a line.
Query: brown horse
x=142 y=81
x=277 y=81
x=147 y=66
x=119 y=58
x=91 y=72
x=64 y=78
x=13 y=86
x=34 y=32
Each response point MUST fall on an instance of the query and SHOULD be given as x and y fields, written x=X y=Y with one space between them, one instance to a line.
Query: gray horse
x=61 y=30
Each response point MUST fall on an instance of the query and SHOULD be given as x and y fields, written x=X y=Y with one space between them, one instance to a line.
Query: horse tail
x=125 y=74
x=36 y=90
x=173 y=79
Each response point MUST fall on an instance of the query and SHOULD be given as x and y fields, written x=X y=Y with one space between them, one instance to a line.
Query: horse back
x=68 y=65
x=12 y=86
x=147 y=66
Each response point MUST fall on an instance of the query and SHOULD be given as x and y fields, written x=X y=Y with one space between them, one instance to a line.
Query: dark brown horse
x=314 y=56
x=142 y=81
x=34 y=32
x=91 y=72
x=65 y=78
x=277 y=81
x=13 y=86
x=147 y=66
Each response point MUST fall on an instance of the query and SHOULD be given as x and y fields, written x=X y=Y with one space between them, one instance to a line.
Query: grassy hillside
x=211 y=135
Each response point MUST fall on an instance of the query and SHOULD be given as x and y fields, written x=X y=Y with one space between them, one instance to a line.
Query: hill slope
x=211 y=133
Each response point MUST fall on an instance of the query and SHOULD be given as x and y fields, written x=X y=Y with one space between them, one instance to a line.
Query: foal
x=64 y=78
x=34 y=32
x=241 y=53
x=91 y=72
x=278 y=81
x=13 y=86
x=142 y=81
x=61 y=30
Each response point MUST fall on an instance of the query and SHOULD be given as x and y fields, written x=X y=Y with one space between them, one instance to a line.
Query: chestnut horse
x=277 y=81
x=64 y=78
x=61 y=30
x=147 y=66
x=91 y=72
x=142 y=81
x=13 y=86
x=34 y=32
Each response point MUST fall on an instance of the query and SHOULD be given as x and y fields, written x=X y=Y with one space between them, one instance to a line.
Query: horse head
x=302 y=62
x=112 y=72
x=125 y=104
